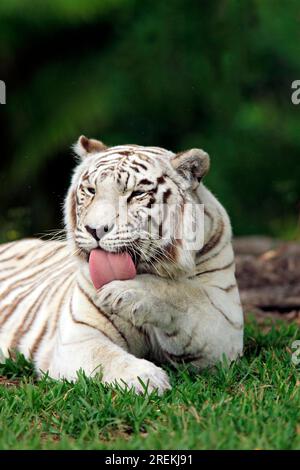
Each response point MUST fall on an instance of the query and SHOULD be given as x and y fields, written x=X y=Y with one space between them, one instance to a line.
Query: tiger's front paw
x=126 y=299
x=142 y=376
x=119 y=297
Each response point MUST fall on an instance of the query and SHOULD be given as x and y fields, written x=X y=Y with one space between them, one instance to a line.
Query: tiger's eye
x=91 y=190
x=137 y=193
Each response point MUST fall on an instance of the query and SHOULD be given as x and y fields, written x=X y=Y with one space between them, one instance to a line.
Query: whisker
x=55 y=235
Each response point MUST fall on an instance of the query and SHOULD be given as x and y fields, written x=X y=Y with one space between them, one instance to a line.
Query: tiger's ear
x=85 y=147
x=192 y=165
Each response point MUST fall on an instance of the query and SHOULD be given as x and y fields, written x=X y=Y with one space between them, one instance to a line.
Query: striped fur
x=183 y=306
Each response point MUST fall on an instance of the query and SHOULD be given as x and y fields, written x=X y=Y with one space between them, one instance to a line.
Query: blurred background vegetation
x=183 y=73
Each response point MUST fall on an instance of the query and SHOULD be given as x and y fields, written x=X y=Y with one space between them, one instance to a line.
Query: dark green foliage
x=254 y=403
x=214 y=74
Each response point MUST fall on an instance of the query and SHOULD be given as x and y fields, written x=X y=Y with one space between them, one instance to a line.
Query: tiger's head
x=135 y=199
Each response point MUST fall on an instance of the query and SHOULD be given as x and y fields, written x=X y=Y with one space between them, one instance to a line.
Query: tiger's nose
x=99 y=232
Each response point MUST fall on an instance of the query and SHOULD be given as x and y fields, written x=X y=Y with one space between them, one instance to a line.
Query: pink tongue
x=106 y=267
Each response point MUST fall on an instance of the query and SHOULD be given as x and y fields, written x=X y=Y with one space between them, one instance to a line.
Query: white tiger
x=182 y=306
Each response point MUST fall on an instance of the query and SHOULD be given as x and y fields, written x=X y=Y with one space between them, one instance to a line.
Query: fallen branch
x=268 y=280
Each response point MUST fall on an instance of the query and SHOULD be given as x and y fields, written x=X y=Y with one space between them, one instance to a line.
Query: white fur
x=194 y=314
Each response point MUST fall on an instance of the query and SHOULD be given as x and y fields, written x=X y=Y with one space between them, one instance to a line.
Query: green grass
x=253 y=404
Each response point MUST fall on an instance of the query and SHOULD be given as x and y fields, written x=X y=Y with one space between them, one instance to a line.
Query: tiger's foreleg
x=81 y=347
x=189 y=322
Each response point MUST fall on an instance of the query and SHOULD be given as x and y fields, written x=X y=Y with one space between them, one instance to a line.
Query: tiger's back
x=35 y=279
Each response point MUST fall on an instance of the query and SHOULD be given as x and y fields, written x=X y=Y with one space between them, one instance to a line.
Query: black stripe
x=35 y=307
x=216 y=269
x=33 y=351
x=127 y=179
x=59 y=307
x=141 y=165
x=207 y=213
x=126 y=153
x=226 y=289
x=161 y=179
x=172 y=334
x=80 y=322
x=237 y=327
x=214 y=255
x=135 y=168
x=103 y=314
x=166 y=195
x=21 y=331
x=214 y=240
x=145 y=182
